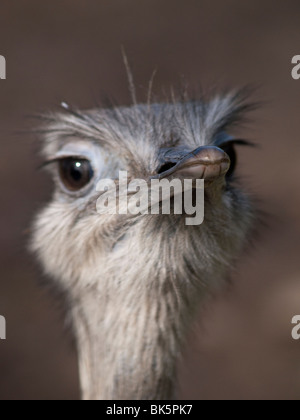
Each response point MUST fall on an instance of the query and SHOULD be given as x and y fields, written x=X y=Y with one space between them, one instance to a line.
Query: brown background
x=70 y=50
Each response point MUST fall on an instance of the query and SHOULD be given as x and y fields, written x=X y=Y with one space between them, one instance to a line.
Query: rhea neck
x=131 y=325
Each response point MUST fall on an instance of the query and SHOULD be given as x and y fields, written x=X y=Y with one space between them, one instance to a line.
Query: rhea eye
x=74 y=173
x=229 y=149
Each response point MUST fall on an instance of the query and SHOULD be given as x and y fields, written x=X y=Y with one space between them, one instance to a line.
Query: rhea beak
x=206 y=162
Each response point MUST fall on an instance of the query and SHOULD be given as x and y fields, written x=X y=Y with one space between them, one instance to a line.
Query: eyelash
x=61 y=158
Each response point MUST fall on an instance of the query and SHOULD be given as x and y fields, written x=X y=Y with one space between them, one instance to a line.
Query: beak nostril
x=166 y=167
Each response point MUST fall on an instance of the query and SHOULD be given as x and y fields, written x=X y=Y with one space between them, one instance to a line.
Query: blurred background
x=70 y=50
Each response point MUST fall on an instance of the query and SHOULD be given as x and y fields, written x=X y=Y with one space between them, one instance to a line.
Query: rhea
x=133 y=283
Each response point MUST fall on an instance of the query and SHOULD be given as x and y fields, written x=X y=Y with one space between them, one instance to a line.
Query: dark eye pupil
x=75 y=173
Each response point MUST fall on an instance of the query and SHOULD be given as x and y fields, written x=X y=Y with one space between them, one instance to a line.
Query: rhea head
x=133 y=283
